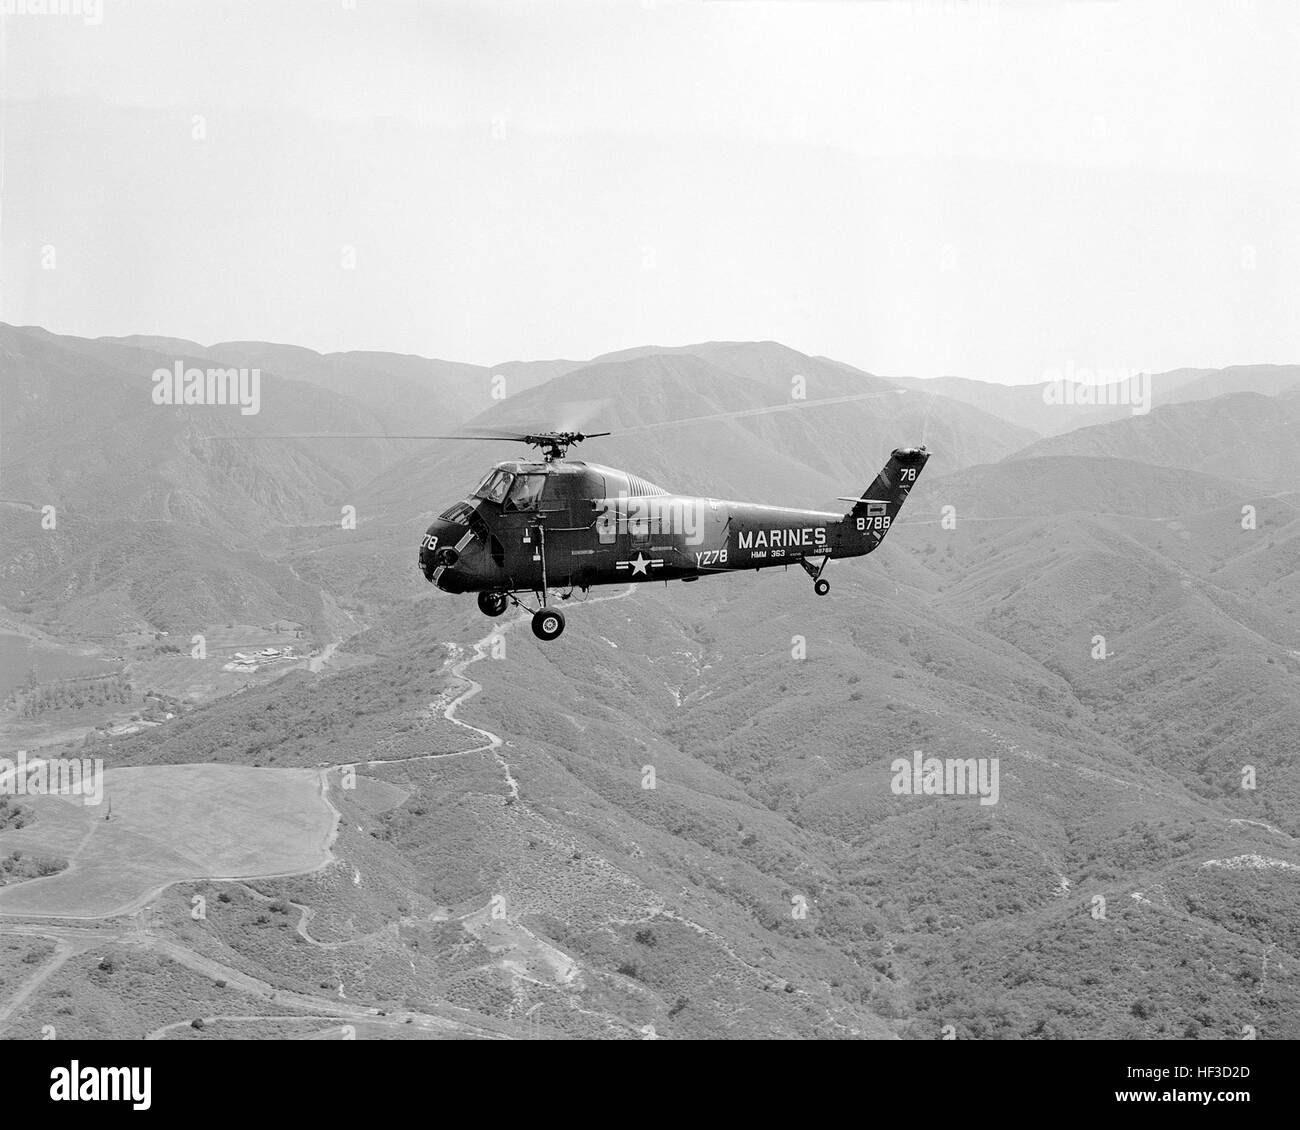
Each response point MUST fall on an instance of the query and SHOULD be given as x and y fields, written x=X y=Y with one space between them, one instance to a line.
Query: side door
x=565 y=510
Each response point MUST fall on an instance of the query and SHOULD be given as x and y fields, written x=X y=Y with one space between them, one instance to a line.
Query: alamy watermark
x=1098 y=387
x=179 y=385
x=648 y=517
x=90 y=11
x=952 y=776
x=53 y=776
x=102 y=1084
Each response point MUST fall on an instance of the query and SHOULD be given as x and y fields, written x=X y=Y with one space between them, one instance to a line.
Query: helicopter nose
x=440 y=552
x=429 y=546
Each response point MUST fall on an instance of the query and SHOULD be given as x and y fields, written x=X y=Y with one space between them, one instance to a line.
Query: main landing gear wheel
x=492 y=603
x=821 y=586
x=547 y=623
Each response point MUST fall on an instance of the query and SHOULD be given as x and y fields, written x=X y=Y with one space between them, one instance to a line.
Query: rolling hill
x=1030 y=406
x=682 y=817
x=1245 y=436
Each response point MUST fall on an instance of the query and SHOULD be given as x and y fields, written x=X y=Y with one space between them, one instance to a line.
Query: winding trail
x=492 y=743
x=62 y=951
x=72 y=939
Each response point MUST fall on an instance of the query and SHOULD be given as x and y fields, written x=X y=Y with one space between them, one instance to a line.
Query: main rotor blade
x=360 y=435
x=766 y=410
x=521 y=437
x=507 y=437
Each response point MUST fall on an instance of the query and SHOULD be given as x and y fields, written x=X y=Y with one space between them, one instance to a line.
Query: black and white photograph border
x=377 y=380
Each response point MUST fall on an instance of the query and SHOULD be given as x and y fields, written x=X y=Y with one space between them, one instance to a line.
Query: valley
x=676 y=821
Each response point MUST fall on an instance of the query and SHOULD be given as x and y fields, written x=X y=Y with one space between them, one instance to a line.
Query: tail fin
x=875 y=511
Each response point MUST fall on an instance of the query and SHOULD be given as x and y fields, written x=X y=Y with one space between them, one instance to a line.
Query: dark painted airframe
x=568 y=524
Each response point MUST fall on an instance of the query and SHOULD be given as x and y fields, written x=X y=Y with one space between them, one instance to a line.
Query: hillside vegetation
x=690 y=826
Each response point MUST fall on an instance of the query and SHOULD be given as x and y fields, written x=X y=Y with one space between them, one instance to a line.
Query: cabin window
x=526 y=493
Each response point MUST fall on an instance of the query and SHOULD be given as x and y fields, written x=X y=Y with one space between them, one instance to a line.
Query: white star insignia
x=639 y=564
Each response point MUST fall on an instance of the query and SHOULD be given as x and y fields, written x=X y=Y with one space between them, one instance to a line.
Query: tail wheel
x=547 y=623
x=492 y=603
x=821 y=586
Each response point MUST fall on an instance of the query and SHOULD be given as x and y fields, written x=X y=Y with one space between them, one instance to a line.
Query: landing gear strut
x=492 y=603
x=820 y=586
x=548 y=623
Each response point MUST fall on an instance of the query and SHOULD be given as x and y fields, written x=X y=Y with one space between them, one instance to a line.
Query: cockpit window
x=526 y=492
x=495 y=487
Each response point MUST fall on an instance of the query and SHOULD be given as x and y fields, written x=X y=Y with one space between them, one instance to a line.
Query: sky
x=983 y=189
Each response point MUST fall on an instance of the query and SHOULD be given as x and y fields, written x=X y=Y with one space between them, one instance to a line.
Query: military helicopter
x=553 y=522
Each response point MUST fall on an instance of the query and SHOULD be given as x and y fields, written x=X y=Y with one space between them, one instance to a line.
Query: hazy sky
x=983 y=189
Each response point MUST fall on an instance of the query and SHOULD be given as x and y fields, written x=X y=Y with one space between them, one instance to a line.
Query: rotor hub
x=555 y=445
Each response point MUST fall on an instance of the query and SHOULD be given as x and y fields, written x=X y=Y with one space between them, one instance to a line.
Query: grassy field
x=169 y=823
x=19 y=656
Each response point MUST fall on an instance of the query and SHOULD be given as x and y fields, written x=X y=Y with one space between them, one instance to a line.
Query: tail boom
x=874 y=512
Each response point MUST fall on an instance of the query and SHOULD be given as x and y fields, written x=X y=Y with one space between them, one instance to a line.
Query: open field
x=169 y=823
x=20 y=655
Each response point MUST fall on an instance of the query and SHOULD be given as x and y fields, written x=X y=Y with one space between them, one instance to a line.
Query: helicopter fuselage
x=530 y=526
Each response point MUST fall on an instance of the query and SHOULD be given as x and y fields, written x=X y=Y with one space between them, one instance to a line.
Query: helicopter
x=553 y=522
